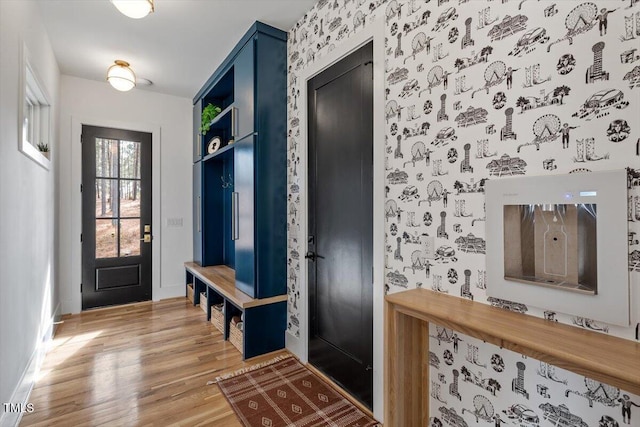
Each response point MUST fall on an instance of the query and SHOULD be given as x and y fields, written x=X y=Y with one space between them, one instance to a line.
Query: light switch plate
x=174 y=222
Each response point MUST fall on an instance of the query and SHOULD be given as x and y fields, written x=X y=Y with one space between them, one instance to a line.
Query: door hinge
x=81 y=188
x=81 y=138
x=80 y=287
x=81 y=237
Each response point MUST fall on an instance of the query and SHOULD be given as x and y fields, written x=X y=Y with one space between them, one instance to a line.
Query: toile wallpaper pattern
x=479 y=90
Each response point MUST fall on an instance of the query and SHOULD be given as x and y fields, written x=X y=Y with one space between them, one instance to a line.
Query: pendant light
x=135 y=9
x=120 y=76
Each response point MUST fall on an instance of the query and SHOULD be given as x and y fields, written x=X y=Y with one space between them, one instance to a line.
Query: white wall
x=28 y=286
x=169 y=119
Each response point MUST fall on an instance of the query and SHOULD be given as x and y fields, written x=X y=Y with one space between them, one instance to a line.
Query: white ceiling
x=177 y=47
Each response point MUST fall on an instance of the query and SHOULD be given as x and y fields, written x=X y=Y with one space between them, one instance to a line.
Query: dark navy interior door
x=340 y=260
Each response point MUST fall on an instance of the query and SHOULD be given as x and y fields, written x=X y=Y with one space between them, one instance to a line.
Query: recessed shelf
x=218 y=153
x=221 y=91
x=221 y=116
x=223 y=126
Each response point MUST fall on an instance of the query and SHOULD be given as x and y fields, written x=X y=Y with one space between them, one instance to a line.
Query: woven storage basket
x=190 y=292
x=235 y=337
x=203 y=301
x=217 y=319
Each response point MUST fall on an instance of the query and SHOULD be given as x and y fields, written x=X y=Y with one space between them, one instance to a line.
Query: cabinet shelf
x=218 y=153
x=223 y=126
x=221 y=94
x=222 y=115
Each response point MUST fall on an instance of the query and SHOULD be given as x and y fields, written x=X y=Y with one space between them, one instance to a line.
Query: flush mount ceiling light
x=120 y=76
x=135 y=9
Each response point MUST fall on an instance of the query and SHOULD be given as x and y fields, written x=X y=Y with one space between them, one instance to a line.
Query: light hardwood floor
x=143 y=364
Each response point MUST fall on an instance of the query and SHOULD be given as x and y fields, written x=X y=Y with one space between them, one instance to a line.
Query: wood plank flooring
x=143 y=364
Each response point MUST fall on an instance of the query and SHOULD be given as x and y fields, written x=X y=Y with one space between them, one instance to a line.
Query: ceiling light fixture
x=120 y=76
x=135 y=9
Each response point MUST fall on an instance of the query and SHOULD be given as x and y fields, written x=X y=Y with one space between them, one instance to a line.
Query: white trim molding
x=75 y=304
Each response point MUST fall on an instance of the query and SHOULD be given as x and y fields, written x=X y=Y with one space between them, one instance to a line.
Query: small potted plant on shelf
x=208 y=114
x=43 y=148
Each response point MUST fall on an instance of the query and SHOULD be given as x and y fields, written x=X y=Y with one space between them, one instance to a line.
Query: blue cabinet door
x=197 y=213
x=271 y=166
x=197 y=137
x=243 y=68
x=243 y=211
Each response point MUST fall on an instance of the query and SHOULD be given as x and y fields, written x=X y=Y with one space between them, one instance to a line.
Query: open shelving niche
x=218 y=284
x=217 y=211
x=218 y=175
x=222 y=95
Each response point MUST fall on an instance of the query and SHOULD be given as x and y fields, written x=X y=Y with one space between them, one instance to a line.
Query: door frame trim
x=373 y=31
x=76 y=202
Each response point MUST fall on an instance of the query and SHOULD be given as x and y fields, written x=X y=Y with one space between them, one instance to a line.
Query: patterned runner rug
x=285 y=393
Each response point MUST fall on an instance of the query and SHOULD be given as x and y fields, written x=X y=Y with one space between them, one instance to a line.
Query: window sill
x=34 y=154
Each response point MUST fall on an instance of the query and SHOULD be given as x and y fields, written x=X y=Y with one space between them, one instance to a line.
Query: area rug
x=284 y=393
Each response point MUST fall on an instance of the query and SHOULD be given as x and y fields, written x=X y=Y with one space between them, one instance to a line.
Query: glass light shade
x=135 y=9
x=121 y=77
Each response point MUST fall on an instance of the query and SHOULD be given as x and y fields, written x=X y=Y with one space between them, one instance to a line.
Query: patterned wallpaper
x=473 y=381
x=480 y=90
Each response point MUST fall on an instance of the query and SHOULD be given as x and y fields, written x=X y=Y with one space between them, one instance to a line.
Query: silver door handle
x=235 y=226
x=313 y=256
x=198 y=212
x=234 y=123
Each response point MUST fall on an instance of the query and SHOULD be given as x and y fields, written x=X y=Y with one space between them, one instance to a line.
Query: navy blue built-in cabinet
x=239 y=190
x=197 y=213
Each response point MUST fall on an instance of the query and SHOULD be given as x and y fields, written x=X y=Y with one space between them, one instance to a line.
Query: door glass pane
x=106 y=158
x=106 y=238
x=129 y=237
x=129 y=159
x=129 y=198
x=106 y=194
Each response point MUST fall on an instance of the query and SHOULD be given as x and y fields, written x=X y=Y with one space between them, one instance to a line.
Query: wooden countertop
x=223 y=280
x=605 y=358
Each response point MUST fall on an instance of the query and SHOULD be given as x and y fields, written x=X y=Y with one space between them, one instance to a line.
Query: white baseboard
x=169 y=292
x=69 y=307
x=296 y=346
x=23 y=390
